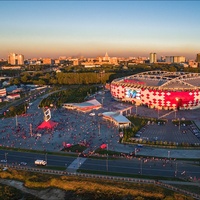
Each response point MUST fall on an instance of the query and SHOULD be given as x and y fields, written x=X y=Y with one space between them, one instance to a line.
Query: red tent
x=47 y=125
x=103 y=146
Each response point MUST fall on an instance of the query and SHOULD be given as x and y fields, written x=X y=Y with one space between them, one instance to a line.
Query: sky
x=92 y=28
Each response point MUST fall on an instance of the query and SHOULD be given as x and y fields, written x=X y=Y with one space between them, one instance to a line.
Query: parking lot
x=168 y=132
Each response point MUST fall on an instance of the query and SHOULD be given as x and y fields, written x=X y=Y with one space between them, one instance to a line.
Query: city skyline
x=91 y=28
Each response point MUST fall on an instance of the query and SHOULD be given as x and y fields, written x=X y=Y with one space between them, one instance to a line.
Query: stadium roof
x=162 y=79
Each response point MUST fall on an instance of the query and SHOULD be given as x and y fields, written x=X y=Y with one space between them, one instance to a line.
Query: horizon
x=89 y=29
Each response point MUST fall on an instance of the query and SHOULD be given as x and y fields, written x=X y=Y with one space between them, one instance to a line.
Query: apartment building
x=15 y=59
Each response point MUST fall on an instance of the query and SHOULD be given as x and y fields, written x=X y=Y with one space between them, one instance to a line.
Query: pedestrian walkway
x=76 y=164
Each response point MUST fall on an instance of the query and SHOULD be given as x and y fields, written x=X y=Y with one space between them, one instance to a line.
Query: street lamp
x=107 y=159
x=176 y=170
x=6 y=158
x=135 y=151
x=46 y=157
x=136 y=109
x=16 y=121
x=168 y=154
x=102 y=101
x=141 y=166
x=175 y=114
x=99 y=129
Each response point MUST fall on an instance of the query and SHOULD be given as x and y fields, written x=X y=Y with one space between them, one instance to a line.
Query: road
x=151 y=167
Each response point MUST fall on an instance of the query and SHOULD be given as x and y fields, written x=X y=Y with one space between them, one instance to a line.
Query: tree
x=12 y=109
x=16 y=81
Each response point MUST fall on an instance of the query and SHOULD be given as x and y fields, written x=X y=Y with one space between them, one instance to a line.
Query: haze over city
x=91 y=28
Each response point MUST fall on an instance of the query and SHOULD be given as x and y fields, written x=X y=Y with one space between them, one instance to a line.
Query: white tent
x=84 y=106
x=117 y=118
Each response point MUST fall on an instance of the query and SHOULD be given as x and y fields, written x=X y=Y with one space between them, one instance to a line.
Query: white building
x=15 y=59
x=153 y=58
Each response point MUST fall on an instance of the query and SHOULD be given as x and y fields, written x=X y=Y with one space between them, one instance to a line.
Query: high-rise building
x=20 y=59
x=15 y=59
x=179 y=59
x=175 y=59
x=153 y=58
x=198 y=58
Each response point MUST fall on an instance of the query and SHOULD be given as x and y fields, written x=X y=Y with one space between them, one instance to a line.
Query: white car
x=92 y=114
x=5 y=168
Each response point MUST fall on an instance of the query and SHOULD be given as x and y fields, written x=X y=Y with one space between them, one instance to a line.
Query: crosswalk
x=76 y=164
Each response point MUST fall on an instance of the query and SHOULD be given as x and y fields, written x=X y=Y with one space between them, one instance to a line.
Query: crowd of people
x=72 y=127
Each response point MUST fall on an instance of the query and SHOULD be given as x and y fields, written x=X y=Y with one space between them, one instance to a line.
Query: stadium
x=159 y=89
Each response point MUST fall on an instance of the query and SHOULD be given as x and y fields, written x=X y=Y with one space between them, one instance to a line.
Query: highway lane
x=137 y=166
x=18 y=157
x=143 y=166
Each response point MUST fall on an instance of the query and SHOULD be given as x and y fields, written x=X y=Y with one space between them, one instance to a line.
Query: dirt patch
x=46 y=194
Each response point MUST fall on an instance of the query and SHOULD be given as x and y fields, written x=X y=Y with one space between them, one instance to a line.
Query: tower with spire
x=106 y=58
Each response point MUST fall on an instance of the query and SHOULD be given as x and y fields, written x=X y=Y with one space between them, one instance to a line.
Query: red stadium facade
x=159 y=89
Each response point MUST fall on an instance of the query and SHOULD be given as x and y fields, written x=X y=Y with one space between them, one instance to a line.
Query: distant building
x=169 y=59
x=57 y=61
x=47 y=61
x=15 y=59
x=75 y=61
x=193 y=64
x=198 y=58
x=153 y=58
x=11 y=67
x=162 y=58
x=175 y=59
x=106 y=58
x=179 y=59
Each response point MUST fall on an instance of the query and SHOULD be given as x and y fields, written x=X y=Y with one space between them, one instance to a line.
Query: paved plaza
x=77 y=127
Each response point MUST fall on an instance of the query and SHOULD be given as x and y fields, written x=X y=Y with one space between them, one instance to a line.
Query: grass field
x=89 y=188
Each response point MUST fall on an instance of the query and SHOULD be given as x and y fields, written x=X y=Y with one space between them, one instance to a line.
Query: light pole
x=46 y=157
x=135 y=151
x=141 y=166
x=16 y=121
x=31 y=130
x=6 y=159
x=99 y=129
x=102 y=101
x=168 y=154
x=136 y=109
x=107 y=159
x=176 y=170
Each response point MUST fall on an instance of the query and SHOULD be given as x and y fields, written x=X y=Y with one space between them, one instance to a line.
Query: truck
x=40 y=162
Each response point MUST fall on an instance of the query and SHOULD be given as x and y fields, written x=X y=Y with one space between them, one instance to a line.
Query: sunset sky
x=91 y=28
